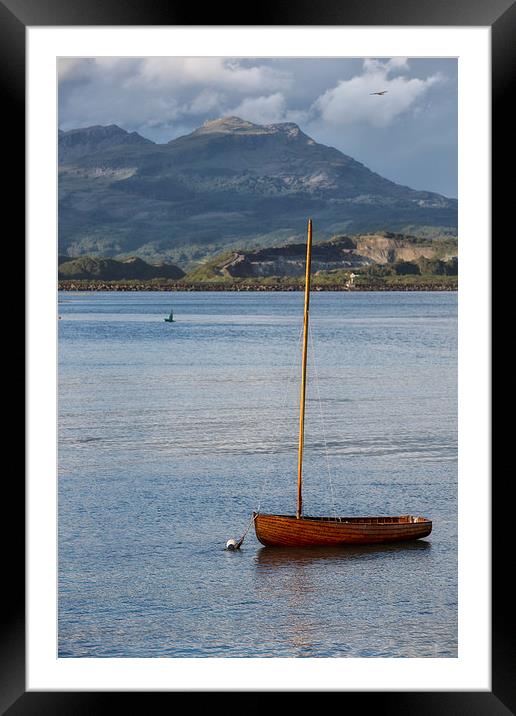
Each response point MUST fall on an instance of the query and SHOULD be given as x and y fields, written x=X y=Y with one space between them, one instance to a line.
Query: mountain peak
x=76 y=143
x=230 y=125
x=236 y=125
x=291 y=129
x=97 y=130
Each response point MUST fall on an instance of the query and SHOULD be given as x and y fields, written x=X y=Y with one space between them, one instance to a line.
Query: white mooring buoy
x=233 y=544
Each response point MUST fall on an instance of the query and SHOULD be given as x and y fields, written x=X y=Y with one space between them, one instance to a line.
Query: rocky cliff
x=341 y=252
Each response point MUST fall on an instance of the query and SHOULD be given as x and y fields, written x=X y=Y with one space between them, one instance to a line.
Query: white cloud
x=351 y=101
x=262 y=110
x=213 y=72
x=161 y=92
x=399 y=64
x=206 y=101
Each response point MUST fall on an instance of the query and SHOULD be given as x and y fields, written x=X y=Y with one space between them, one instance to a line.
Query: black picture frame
x=15 y=16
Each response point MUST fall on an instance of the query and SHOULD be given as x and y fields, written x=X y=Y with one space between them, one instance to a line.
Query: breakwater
x=87 y=285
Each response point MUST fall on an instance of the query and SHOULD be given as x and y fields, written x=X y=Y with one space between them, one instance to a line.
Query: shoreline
x=87 y=285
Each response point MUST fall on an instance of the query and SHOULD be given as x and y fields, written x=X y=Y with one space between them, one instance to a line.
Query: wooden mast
x=303 y=372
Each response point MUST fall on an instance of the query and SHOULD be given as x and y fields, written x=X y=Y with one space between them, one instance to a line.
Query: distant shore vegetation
x=384 y=261
x=384 y=279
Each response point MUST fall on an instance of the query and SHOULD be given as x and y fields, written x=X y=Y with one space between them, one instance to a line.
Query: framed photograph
x=179 y=606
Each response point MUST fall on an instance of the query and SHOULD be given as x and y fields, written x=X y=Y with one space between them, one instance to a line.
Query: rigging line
x=280 y=422
x=314 y=363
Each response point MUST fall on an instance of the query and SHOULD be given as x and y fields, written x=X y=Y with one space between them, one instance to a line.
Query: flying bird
x=382 y=92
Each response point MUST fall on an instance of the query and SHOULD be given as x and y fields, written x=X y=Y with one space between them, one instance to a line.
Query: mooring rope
x=240 y=541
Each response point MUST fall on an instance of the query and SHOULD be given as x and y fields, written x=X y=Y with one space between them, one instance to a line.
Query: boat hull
x=290 y=531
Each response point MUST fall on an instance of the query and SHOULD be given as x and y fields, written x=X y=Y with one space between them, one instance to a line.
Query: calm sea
x=170 y=434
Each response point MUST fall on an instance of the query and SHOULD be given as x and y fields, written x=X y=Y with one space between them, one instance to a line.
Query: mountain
x=228 y=184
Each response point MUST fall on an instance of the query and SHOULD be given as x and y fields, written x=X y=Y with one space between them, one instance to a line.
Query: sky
x=408 y=134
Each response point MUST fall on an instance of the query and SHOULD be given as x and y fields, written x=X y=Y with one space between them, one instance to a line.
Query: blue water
x=170 y=434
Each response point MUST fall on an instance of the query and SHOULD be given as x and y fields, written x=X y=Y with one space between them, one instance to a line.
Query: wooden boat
x=293 y=531
x=301 y=531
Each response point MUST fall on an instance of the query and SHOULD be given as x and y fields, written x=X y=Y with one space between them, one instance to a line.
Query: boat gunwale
x=350 y=520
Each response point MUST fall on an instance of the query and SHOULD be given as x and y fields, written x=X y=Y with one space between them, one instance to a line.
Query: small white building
x=351 y=281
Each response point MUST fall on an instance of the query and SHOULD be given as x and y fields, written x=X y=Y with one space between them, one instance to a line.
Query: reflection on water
x=321 y=589
x=291 y=556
